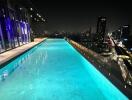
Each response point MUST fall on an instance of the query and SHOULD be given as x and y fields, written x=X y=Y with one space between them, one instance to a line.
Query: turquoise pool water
x=54 y=70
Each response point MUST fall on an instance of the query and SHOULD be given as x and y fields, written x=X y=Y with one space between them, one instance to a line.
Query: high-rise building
x=126 y=37
x=121 y=33
x=101 y=28
x=99 y=39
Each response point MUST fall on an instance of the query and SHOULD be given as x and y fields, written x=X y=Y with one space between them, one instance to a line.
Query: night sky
x=79 y=16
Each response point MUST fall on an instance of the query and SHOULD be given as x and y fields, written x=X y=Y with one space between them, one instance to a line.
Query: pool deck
x=8 y=55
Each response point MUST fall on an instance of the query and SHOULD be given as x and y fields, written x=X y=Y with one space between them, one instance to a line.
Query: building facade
x=100 y=35
x=101 y=28
x=14 y=26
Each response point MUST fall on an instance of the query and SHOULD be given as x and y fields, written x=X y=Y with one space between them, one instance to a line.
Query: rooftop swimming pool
x=54 y=70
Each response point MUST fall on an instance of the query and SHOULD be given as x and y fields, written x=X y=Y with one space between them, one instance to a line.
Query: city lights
x=20 y=8
x=40 y=16
x=65 y=50
x=31 y=9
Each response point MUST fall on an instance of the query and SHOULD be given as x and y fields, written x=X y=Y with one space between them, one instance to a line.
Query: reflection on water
x=12 y=66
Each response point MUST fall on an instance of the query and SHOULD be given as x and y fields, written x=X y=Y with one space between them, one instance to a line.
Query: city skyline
x=79 y=16
x=65 y=50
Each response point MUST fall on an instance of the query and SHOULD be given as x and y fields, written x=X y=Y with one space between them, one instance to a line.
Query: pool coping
x=12 y=57
x=112 y=78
